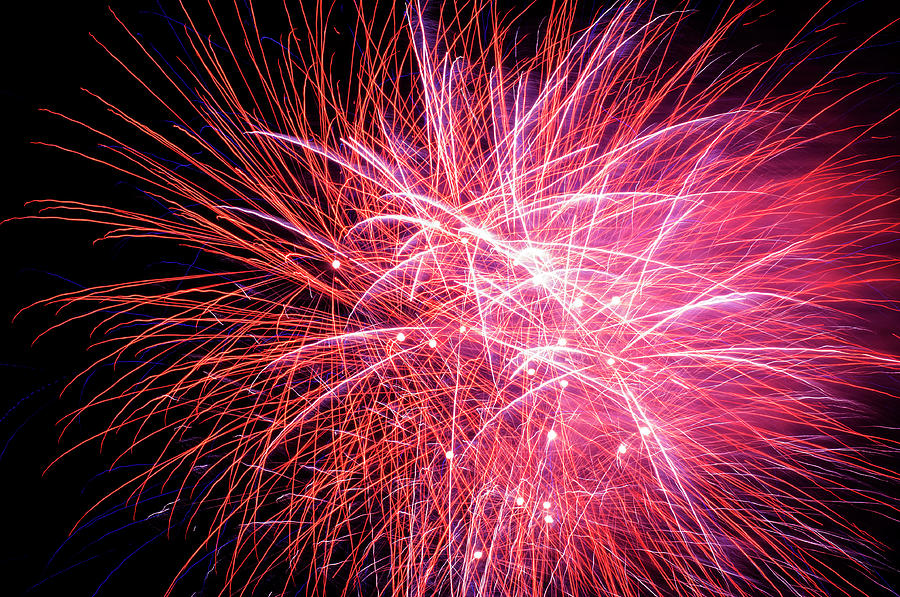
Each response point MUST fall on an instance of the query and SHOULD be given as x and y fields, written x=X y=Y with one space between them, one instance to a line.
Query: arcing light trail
x=580 y=322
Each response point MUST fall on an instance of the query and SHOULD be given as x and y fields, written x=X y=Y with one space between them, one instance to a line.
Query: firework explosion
x=571 y=313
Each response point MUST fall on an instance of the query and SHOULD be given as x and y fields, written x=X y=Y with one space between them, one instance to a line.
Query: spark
x=480 y=195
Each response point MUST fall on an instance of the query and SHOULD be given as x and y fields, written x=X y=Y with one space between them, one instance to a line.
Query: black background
x=47 y=57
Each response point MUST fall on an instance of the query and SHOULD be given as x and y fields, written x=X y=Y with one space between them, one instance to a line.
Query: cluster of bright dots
x=530 y=370
x=520 y=501
x=562 y=342
x=401 y=337
x=548 y=517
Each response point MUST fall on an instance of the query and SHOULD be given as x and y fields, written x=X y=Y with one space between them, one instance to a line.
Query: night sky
x=48 y=56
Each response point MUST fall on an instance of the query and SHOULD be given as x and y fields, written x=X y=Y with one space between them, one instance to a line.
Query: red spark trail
x=580 y=322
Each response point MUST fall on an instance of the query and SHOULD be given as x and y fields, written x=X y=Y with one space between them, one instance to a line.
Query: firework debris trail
x=573 y=321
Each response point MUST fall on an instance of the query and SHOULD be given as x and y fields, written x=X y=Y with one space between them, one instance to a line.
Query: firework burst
x=568 y=313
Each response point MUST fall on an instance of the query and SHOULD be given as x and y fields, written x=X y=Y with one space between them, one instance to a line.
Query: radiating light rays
x=554 y=327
